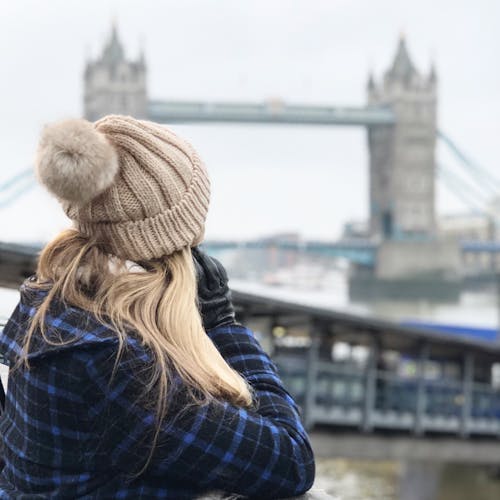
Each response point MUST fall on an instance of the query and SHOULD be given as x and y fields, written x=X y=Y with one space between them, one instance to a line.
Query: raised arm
x=263 y=453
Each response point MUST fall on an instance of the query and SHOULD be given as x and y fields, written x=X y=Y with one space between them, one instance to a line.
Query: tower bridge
x=401 y=123
x=400 y=117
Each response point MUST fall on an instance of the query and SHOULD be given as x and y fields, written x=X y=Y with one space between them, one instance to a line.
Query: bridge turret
x=370 y=84
x=402 y=164
x=432 y=78
x=113 y=52
x=372 y=89
x=402 y=72
x=114 y=84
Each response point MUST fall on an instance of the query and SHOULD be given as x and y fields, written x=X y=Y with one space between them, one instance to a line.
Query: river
x=371 y=480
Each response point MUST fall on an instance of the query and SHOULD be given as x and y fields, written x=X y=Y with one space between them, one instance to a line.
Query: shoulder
x=67 y=328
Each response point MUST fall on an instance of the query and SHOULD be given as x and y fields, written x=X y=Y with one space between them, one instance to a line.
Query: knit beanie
x=134 y=185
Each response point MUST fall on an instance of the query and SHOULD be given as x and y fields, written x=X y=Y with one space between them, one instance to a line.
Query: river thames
x=369 y=480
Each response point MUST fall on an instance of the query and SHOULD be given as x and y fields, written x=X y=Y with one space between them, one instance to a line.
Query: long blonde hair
x=160 y=305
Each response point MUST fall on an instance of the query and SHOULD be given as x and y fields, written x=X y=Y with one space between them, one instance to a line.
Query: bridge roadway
x=273 y=111
x=18 y=259
x=410 y=381
x=356 y=250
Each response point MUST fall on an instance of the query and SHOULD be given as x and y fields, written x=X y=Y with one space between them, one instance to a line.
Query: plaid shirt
x=68 y=432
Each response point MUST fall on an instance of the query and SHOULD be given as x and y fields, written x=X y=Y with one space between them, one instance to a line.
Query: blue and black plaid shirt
x=67 y=432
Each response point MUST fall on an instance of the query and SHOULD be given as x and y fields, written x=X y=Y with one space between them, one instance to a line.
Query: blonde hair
x=160 y=305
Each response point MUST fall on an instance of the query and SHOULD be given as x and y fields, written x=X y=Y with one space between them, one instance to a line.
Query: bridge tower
x=113 y=84
x=402 y=163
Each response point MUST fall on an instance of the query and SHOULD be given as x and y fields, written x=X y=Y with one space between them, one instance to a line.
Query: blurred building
x=477 y=227
x=356 y=229
x=115 y=84
x=469 y=226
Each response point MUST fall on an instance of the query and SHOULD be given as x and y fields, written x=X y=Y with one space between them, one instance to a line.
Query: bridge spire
x=142 y=54
x=115 y=84
x=113 y=52
x=371 y=82
x=402 y=68
x=432 y=79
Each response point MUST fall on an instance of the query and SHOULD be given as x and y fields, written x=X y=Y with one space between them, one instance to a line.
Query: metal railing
x=340 y=398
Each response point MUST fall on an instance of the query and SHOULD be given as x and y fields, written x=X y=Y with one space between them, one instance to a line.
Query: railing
x=340 y=395
x=313 y=494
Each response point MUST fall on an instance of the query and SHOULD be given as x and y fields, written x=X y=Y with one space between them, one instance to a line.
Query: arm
x=263 y=453
x=242 y=351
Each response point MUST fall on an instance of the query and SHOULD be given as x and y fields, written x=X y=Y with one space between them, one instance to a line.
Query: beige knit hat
x=142 y=191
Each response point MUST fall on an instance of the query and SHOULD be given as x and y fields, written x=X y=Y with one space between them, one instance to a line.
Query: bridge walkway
x=408 y=379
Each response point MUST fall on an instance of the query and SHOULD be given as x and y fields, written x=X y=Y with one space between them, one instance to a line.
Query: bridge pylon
x=402 y=155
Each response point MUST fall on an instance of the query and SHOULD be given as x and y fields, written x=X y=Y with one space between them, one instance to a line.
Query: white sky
x=265 y=178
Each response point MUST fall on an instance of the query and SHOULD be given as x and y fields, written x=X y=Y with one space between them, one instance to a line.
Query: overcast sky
x=265 y=178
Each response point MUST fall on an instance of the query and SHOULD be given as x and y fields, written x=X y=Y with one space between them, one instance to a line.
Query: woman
x=129 y=376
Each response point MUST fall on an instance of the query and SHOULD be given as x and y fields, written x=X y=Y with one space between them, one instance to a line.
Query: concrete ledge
x=328 y=444
x=310 y=495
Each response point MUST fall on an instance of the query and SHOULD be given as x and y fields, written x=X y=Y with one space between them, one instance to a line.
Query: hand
x=214 y=295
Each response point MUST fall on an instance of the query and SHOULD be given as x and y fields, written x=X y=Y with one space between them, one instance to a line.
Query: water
x=372 y=480
x=356 y=480
x=477 y=308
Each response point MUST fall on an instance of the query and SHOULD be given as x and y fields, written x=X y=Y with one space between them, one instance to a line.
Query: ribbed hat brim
x=154 y=237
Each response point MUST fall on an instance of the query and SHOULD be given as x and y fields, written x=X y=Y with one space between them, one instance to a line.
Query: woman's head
x=136 y=192
x=133 y=185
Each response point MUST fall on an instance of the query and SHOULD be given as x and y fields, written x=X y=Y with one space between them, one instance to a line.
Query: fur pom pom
x=74 y=161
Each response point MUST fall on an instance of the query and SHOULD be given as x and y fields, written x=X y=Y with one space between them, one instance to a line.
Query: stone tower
x=402 y=163
x=114 y=84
